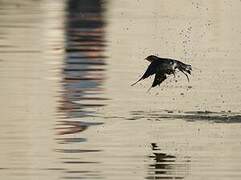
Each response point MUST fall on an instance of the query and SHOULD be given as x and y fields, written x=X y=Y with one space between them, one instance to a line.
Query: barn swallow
x=162 y=67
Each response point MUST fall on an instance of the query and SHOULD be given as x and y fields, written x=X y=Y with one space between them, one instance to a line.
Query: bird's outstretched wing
x=159 y=78
x=152 y=69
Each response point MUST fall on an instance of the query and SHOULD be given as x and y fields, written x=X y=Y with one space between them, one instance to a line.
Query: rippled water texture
x=68 y=110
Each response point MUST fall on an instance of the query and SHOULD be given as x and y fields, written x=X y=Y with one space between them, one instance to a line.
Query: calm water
x=68 y=110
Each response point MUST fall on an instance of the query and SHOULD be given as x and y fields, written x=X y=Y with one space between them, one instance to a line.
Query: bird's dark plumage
x=152 y=69
x=159 y=78
x=162 y=67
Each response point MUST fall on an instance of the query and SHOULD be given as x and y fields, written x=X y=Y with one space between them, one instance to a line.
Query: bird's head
x=151 y=58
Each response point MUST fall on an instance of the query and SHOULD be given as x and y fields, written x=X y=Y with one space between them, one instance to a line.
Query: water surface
x=68 y=110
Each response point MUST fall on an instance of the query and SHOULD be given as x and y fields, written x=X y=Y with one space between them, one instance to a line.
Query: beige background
x=195 y=125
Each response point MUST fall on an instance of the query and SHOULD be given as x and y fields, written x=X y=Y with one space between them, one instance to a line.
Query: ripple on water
x=191 y=116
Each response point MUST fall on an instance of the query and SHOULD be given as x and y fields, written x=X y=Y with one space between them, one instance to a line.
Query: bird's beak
x=148 y=59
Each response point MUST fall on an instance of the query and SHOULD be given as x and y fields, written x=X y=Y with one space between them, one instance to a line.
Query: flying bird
x=162 y=67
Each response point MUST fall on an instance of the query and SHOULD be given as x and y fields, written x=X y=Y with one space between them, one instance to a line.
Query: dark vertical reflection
x=83 y=74
x=83 y=77
x=166 y=166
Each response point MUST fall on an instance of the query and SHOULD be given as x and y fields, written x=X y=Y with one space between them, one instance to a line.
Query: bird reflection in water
x=166 y=166
x=83 y=72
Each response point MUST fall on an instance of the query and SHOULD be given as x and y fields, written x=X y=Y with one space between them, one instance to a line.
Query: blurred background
x=68 y=110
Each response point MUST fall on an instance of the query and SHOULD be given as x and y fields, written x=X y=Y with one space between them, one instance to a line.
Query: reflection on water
x=68 y=110
x=166 y=166
x=83 y=76
x=84 y=65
